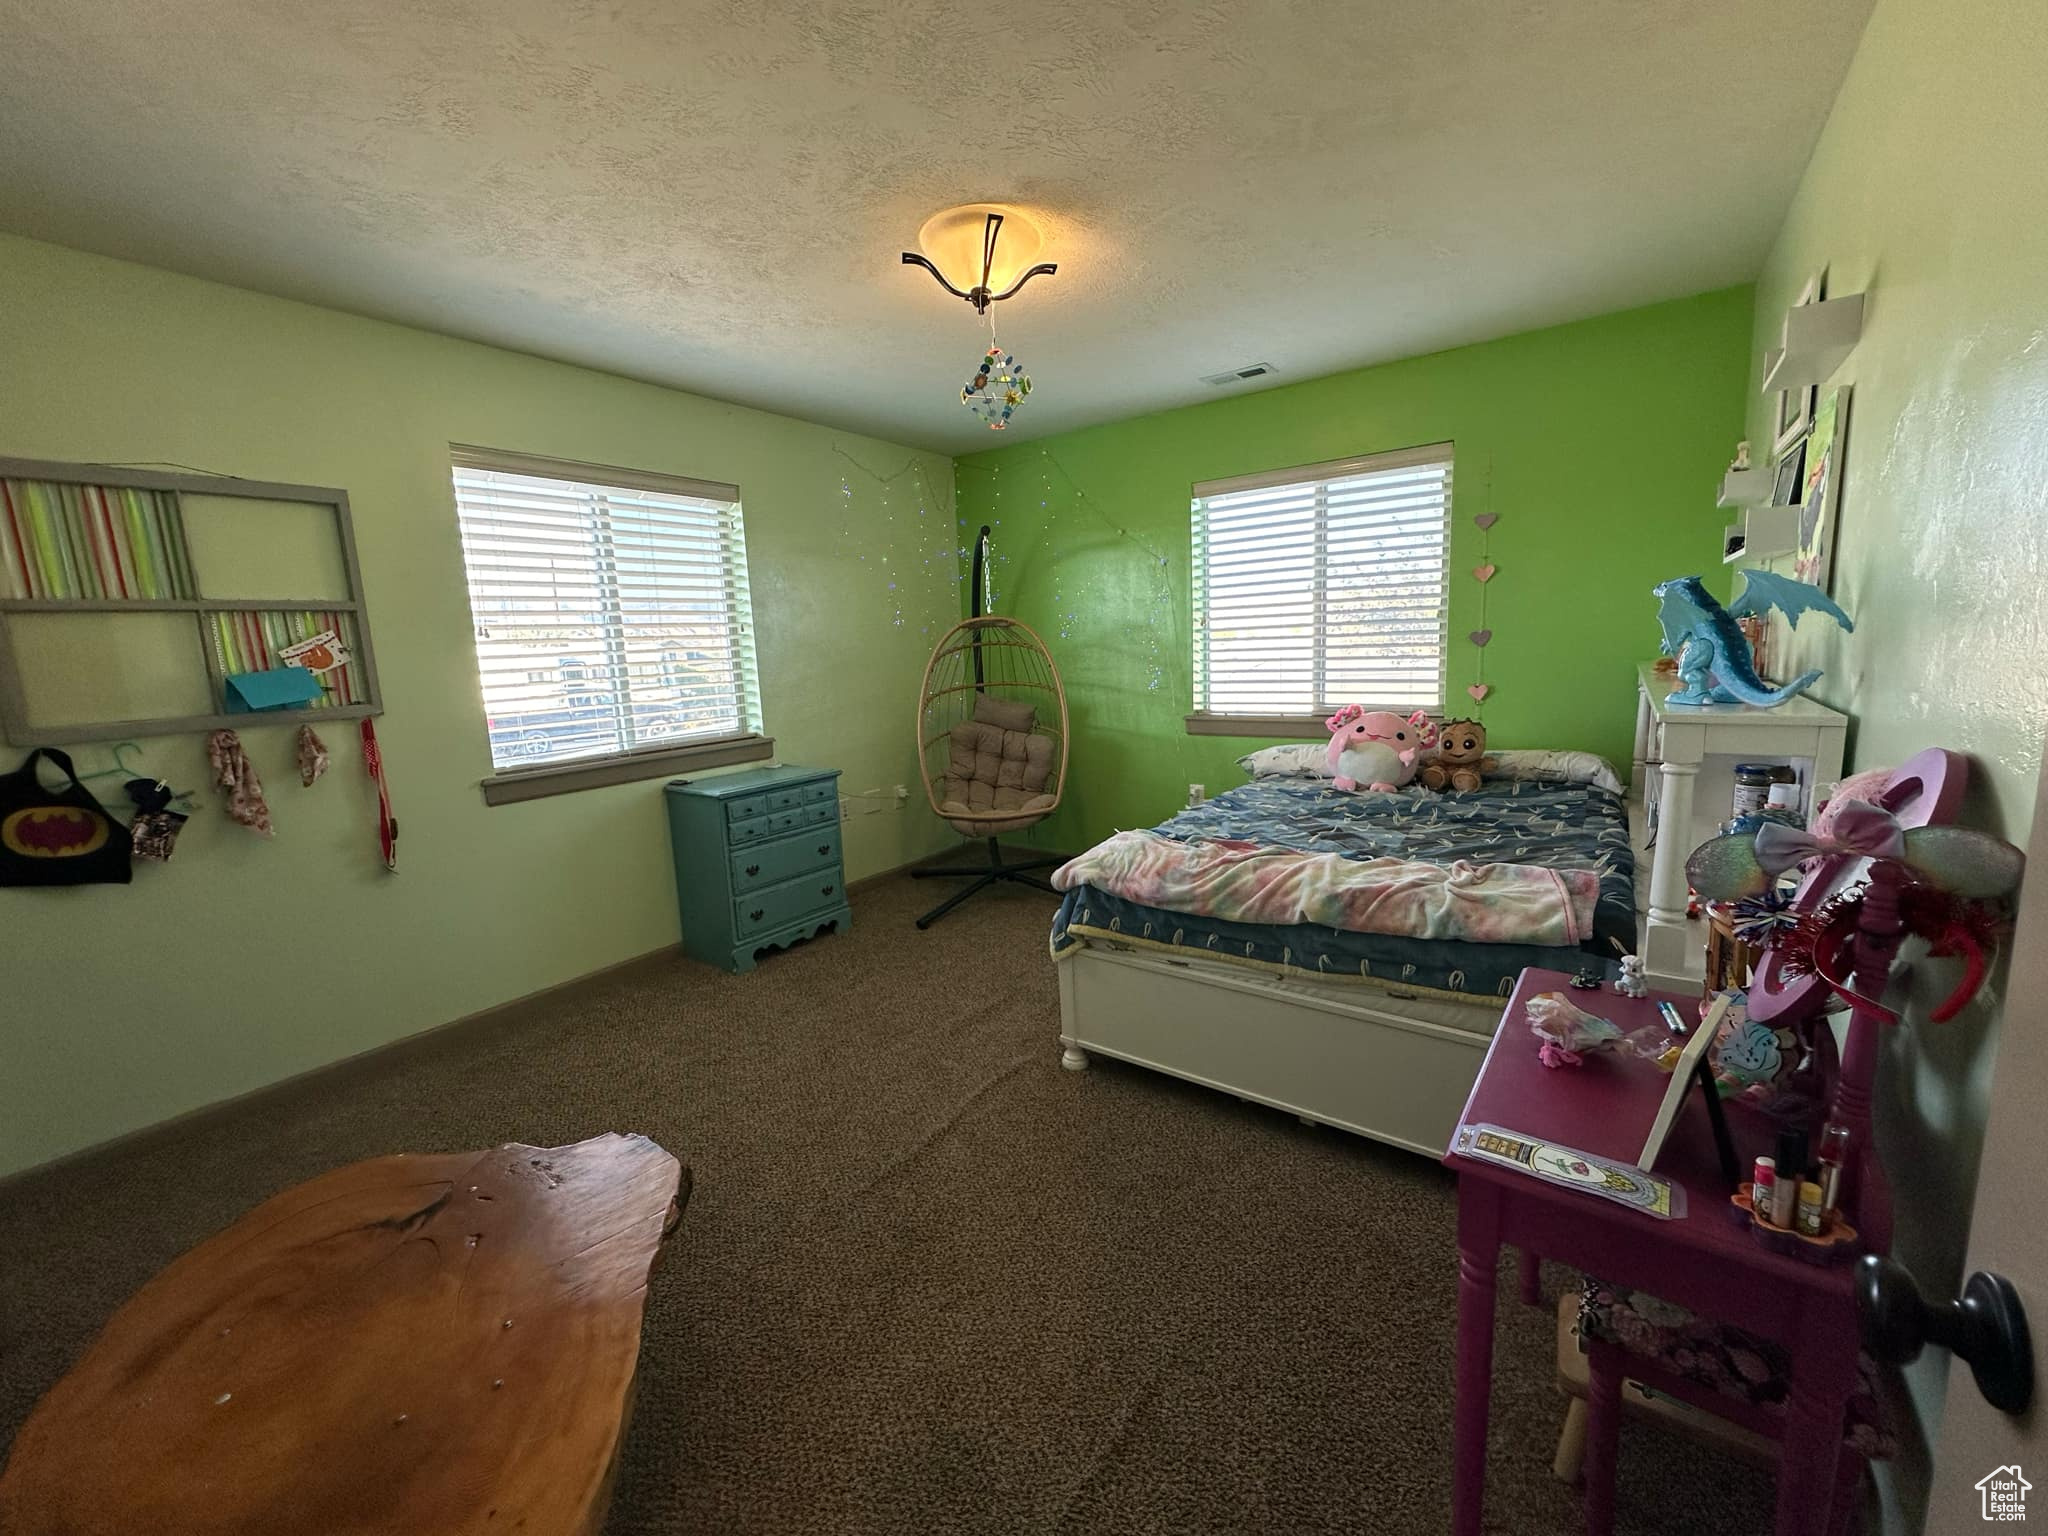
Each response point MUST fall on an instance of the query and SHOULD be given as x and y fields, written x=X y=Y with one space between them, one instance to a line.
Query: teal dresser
x=757 y=861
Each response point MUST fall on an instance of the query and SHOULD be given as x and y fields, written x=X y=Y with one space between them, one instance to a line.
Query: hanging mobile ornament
x=997 y=388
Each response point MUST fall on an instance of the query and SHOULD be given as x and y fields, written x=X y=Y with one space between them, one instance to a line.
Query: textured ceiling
x=714 y=195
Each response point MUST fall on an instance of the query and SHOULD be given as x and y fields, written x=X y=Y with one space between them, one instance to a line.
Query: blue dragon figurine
x=1714 y=665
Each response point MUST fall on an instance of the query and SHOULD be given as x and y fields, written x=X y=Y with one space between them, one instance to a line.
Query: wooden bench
x=439 y=1343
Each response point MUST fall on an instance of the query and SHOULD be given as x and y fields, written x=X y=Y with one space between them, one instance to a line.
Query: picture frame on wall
x=1795 y=406
x=1822 y=489
x=1789 y=475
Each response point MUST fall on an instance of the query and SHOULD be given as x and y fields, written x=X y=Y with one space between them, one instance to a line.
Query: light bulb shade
x=953 y=241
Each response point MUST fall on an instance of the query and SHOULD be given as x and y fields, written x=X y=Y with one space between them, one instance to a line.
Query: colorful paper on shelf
x=1623 y=1183
x=90 y=542
x=255 y=642
x=279 y=688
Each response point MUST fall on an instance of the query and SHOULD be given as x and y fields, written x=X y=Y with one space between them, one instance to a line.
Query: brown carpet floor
x=929 y=1281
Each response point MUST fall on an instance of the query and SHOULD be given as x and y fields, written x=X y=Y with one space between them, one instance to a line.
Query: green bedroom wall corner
x=244 y=961
x=1915 y=195
x=1600 y=444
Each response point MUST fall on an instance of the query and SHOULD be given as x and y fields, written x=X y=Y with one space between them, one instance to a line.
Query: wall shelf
x=1818 y=337
x=129 y=598
x=1772 y=530
x=1745 y=487
x=1763 y=533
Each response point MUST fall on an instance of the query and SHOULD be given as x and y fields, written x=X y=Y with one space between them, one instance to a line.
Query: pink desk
x=1703 y=1261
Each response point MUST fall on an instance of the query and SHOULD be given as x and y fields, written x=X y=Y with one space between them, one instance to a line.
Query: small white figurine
x=1741 y=455
x=1631 y=983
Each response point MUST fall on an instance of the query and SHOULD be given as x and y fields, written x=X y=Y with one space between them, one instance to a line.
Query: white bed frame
x=1396 y=1067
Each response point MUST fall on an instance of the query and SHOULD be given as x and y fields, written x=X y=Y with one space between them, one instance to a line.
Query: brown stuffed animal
x=1460 y=759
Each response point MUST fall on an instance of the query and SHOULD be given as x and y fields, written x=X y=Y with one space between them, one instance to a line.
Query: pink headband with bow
x=1861 y=831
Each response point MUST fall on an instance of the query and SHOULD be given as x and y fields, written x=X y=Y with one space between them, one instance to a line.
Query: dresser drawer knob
x=824 y=848
x=756 y=915
x=827 y=891
x=752 y=870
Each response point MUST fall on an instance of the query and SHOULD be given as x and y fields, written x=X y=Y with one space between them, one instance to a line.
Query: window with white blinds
x=1323 y=585
x=611 y=609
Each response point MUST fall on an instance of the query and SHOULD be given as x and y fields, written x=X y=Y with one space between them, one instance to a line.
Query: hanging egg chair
x=992 y=740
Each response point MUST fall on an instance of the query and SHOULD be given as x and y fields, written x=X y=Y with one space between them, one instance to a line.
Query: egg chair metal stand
x=984 y=875
x=992 y=742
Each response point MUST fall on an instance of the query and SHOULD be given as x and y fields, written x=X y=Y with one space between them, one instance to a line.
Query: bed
x=1373 y=1032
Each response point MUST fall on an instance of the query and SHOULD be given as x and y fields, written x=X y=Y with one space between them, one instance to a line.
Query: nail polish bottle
x=1812 y=1215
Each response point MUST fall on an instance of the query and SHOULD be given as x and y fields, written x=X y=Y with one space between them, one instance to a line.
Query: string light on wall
x=990 y=249
x=913 y=562
x=1075 y=527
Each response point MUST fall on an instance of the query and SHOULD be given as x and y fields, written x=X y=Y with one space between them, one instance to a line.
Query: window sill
x=653 y=763
x=1305 y=727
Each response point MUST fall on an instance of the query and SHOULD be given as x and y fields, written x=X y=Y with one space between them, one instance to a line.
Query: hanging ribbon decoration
x=387 y=824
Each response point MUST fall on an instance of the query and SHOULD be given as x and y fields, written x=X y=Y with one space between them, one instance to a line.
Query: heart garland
x=1482 y=573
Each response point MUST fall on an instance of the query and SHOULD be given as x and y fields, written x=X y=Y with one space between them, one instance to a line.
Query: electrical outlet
x=845 y=809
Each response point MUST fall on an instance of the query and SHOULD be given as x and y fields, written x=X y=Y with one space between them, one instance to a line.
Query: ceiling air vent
x=1240 y=375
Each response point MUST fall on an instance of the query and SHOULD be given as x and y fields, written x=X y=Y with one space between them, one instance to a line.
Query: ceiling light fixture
x=990 y=247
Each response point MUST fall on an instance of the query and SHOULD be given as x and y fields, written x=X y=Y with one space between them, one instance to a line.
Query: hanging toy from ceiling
x=969 y=240
x=997 y=388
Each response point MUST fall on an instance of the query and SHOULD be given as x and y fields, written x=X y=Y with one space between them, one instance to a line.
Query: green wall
x=1926 y=191
x=244 y=961
x=1599 y=444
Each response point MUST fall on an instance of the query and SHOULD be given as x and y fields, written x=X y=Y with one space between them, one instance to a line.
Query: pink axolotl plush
x=1376 y=748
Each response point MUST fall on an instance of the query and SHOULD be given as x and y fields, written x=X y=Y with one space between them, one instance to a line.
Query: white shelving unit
x=1683 y=785
x=1817 y=339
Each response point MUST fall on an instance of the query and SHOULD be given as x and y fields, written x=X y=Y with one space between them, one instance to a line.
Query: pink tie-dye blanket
x=1252 y=883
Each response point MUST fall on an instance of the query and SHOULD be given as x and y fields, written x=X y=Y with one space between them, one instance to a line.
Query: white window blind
x=1322 y=586
x=611 y=608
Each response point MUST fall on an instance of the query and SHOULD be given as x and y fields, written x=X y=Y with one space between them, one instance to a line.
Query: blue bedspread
x=1512 y=821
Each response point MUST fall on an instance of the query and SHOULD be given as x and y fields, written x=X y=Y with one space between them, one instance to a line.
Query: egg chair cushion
x=995 y=765
x=1005 y=714
x=1029 y=814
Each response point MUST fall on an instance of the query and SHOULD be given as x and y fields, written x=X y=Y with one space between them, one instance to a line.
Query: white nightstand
x=1683 y=784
